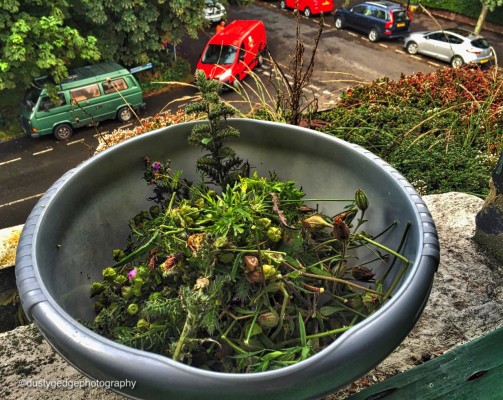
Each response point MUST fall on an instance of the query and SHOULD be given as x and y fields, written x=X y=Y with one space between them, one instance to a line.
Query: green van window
x=115 y=85
x=84 y=93
x=47 y=104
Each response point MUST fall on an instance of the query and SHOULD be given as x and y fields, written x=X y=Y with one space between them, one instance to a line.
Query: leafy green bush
x=469 y=8
x=441 y=130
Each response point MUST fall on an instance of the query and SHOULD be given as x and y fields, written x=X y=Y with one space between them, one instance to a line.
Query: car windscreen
x=30 y=98
x=216 y=54
x=480 y=43
x=400 y=16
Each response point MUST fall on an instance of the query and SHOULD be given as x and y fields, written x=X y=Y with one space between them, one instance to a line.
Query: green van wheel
x=63 y=132
x=125 y=114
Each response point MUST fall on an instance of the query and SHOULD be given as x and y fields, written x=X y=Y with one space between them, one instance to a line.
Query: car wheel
x=307 y=12
x=282 y=4
x=373 y=35
x=63 y=132
x=125 y=114
x=339 y=22
x=260 y=60
x=412 y=48
x=457 y=62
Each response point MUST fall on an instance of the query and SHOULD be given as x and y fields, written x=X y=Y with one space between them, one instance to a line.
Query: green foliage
x=37 y=39
x=231 y=282
x=442 y=130
x=130 y=32
x=220 y=164
x=470 y=8
x=47 y=38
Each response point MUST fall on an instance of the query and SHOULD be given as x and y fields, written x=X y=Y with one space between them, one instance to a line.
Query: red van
x=232 y=53
x=309 y=7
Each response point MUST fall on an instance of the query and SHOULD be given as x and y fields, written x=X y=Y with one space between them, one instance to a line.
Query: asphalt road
x=28 y=167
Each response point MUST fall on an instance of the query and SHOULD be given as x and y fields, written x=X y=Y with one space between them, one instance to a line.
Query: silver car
x=455 y=46
x=214 y=11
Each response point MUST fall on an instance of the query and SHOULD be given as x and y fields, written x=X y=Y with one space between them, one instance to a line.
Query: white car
x=454 y=46
x=214 y=11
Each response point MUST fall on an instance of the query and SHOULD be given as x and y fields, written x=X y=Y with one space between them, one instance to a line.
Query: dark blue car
x=378 y=19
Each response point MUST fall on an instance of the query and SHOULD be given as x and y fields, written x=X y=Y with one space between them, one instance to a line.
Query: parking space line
x=267 y=73
x=75 y=142
x=10 y=161
x=21 y=200
x=434 y=64
x=101 y=133
x=417 y=58
x=327 y=92
x=383 y=45
x=353 y=34
x=42 y=152
x=400 y=51
x=125 y=126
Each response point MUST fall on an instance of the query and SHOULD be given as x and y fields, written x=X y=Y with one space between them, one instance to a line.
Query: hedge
x=469 y=8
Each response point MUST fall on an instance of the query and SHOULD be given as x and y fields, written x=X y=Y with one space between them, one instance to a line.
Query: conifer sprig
x=219 y=164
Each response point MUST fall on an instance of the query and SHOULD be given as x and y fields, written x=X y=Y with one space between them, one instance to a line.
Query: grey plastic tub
x=69 y=236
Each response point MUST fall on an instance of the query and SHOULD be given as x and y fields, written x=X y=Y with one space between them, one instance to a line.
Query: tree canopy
x=35 y=39
x=47 y=38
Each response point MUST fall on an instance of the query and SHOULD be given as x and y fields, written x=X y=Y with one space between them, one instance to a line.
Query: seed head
x=268 y=319
x=340 y=230
x=251 y=262
x=361 y=200
x=362 y=273
x=315 y=222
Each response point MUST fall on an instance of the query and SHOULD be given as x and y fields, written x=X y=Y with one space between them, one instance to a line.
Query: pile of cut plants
x=235 y=272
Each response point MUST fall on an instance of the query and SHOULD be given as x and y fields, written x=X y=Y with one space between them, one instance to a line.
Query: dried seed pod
x=196 y=241
x=315 y=222
x=255 y=276
x=201 y=283
x=362 y=273
x=348 y=216
x=340 y=229
x=306 y=209
x=251 y=262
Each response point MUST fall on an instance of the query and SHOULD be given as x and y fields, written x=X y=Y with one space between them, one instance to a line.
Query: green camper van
x=90 y=94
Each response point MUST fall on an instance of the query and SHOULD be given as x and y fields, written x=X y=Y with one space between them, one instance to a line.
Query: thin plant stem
x=315 y=336
x=402 y=242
